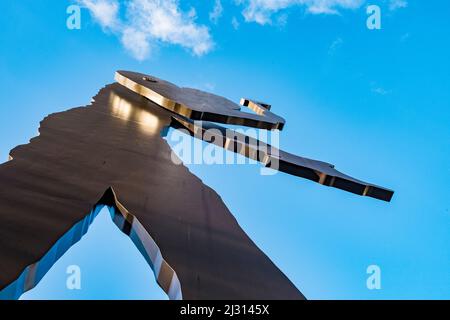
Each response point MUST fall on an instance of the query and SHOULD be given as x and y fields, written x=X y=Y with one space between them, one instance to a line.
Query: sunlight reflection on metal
x=148 y=122
x=195 y=104
x=121 y=107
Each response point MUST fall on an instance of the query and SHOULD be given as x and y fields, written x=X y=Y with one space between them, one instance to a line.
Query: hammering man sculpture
x=112 y=153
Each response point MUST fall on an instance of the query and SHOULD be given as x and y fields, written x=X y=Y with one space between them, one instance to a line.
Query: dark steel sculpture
x=111 y=153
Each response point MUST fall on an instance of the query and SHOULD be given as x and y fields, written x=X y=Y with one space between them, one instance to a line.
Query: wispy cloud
x=405 y=37
x=150 y=22
x=217 y=12
x=210 y=86
x=261 y=11
x=335 y=45
x=235 y=23
x=397 y=4
x=380 y=91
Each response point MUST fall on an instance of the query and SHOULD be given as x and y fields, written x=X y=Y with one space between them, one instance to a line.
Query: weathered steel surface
x=52 y=183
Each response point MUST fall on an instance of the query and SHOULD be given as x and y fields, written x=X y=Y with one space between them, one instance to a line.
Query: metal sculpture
x=111 y=153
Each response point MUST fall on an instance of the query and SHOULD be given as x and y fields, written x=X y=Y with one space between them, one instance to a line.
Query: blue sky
x=373 y=102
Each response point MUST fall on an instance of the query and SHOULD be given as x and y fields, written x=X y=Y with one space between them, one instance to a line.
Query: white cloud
x=136 y=42
x=143 y=24
x=104 y=11
x=397 y=4
x=261 y=11
x=149 y=22
x=217 y=12
x=163 y=20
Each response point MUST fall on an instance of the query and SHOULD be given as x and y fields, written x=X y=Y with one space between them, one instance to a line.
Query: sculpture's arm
x=317 y=171
x=189 y=105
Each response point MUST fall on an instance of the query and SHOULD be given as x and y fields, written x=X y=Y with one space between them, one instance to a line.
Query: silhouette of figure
x=112 y=153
